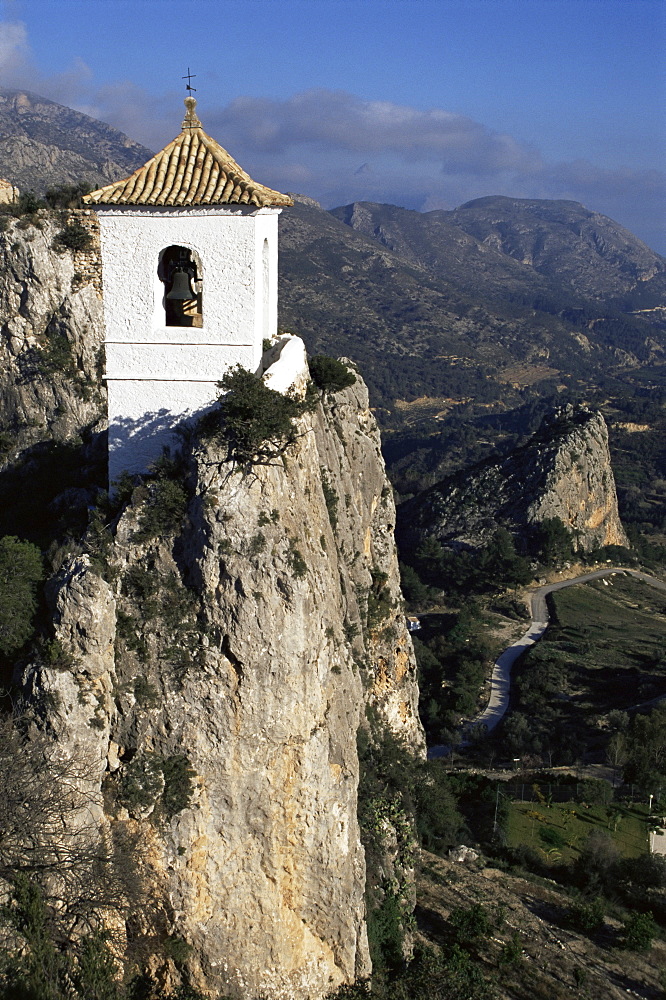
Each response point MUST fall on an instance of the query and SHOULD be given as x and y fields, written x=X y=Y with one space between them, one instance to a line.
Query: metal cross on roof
x=189 y=77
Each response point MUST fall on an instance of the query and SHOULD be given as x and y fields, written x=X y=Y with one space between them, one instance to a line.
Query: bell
x=180 y=287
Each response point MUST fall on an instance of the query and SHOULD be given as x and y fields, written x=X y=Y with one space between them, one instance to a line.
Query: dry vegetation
x=552 y=961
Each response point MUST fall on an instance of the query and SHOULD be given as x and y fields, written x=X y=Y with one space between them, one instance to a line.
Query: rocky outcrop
x=51 y=334
x=221 y=675
x=563 y=472
x=8 y=193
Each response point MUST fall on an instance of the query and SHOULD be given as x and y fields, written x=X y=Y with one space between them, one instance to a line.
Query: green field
x=571 y=823
x=619 y=617
x=605 y=650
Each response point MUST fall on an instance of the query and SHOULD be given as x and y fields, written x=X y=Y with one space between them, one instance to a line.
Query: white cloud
x=14 y=49
x=336 y=120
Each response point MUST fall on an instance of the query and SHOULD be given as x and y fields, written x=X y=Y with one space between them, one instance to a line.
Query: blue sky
x=419 y=103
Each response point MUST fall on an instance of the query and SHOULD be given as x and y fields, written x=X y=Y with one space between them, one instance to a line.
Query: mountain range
x=495 y=302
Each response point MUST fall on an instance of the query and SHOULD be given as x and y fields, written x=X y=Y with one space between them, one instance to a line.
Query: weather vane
x=189 y=77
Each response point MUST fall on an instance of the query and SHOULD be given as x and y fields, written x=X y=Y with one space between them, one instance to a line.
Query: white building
x=189 y=271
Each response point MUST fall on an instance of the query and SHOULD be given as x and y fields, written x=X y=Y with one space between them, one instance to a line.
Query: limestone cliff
x=51 y=334
x=216 y=673
x=564 y=472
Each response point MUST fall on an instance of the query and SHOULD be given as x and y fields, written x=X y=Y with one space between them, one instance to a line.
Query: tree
x=616 y=752
x=329 y=374
x=646 y=751
x=428 y=559
x=594 y=869
x=21 y=571
x=500 y=565
x=553 y=541
x=48 y=834
x=257 y=423
x=414 y=591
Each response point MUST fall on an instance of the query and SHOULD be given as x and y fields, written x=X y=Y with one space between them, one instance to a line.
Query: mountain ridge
x=45 y=143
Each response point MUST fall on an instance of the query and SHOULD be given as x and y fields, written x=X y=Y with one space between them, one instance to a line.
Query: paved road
x=500 y=682
x=539 y=609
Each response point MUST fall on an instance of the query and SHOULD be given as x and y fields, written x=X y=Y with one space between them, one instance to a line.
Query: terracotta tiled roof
x=191 y=170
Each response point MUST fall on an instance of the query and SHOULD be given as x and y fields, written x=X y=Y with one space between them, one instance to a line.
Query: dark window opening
x=180 y=271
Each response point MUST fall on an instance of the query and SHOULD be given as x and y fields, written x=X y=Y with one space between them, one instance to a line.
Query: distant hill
x=437 y=318
x=512 y=248
x=43 y=144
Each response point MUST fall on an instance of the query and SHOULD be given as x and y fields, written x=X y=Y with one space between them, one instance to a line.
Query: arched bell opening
x=180 y=272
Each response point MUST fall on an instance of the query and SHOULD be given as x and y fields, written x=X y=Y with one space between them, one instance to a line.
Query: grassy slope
x=612 y=639
x=556 y=963
x=574 y=821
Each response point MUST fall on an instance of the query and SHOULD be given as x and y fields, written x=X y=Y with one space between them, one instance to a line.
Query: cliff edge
x=219 y=653
x=563 y=472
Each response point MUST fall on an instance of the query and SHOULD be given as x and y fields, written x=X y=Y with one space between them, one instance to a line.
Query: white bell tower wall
x=160 y=375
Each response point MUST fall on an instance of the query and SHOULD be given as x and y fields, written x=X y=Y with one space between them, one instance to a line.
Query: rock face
x=248 y=642
x=51 y=335
x=8 y=193
x=563 y=472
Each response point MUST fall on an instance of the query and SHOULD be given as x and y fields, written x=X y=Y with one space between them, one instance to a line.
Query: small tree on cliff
x=329 y=374
x=21 y=570
x=255 y=422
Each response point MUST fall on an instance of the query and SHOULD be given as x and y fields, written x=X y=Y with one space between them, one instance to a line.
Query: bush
x=256 y=422
x=21 y=571
x=73 y=237
x=28 y=204
x=178 y=784
x=587 y=917
x=148 y=780
x=67 y=195
x=385 y=933
x=639 y=931
x=552 y=837
x=329 y=374
x=141 y=783
x=163 y=510
x=331 y=498
x=470 y=925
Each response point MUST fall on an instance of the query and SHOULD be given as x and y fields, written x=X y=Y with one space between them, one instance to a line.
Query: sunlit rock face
x=564 y=472
x=249 y=642
x=51 y=335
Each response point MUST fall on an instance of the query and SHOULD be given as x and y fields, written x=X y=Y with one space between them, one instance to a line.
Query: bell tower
x=189 y=271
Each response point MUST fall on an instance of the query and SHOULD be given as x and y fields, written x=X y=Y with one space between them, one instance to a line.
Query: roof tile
x=192 y=170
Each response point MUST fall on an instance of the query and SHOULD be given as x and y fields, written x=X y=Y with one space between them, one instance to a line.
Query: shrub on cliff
x=255 y=422
x=74 y=236
x=329 y=374
x=21 y=571
x=67 y=195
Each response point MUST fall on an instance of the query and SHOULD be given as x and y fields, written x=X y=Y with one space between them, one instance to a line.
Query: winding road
x=500 y=682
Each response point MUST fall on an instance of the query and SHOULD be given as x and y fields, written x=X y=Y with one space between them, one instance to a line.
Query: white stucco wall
x=229 y=242
x=158 y=376
x=144 y=419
